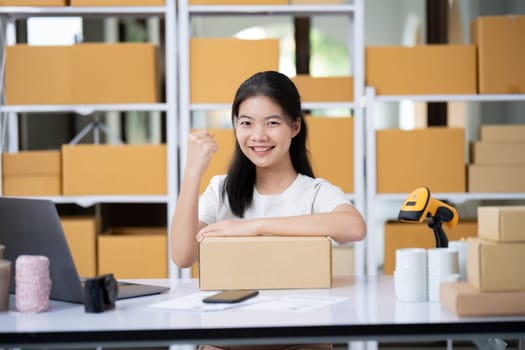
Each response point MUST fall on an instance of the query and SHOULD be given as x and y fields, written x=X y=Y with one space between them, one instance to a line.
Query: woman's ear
x=296 y=127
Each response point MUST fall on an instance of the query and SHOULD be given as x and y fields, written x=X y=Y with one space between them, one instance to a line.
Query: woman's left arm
x=343 y=224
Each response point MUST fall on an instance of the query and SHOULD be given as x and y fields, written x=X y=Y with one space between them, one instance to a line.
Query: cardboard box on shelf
x=32 y=173
x=133 y=252
x=496 y=178
x=81 y=236
x=495 y=266
x=332 y=139
x=425 y=69
x=114 y=169
x=407 y=159
x=219 y=65
x=117 y=2
x=502 y=224
x=324 y=89
x=265 y=262
x=501 y=53
x=465 y=300
x=400 y=235
x=39 y=3
x=495 y=153
x=502 y=133
x=225 y=139
x=316 y=2
x=342 y=260
x=82 y=74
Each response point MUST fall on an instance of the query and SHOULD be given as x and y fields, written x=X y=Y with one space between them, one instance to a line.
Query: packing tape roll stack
x=33 y=283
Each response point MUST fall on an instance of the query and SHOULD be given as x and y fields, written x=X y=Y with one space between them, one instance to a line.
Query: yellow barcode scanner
x=420 y=206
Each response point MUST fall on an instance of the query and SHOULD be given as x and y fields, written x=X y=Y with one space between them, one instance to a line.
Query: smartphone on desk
x=230 y=296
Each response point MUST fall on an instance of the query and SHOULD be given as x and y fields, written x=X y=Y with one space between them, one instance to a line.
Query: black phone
x=230 y=296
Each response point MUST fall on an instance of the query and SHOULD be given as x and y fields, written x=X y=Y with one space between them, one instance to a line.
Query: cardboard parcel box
x=114 y=169
x=133 y=252
x=408 y=159
x=501 y=53
x=82 y=73
x=38 y=3
x=496 y=178
x=426 y=69
x=324 y=89
x=81 y=236
x=32 y=173
x=496 y=153
x=219 y=65
x=117 y=2
x=495 y=266
x=502 y=133
x=463 y=299
x=502 y=224
x=265 y=262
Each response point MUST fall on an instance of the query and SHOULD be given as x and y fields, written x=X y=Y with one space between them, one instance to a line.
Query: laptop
x=32 y=227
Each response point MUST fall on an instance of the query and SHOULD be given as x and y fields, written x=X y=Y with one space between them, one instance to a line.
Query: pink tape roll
x=33 y=283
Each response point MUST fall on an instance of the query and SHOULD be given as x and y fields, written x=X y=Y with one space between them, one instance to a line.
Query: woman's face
x=264 y=132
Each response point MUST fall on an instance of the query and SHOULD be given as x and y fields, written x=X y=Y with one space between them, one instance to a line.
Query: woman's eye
x=244 y=123
x=273 y=123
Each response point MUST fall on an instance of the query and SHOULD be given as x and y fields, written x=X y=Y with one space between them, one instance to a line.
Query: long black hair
x=240 y=180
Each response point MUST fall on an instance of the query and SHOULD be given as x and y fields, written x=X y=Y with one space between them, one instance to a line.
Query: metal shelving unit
x=372 y=197
x=169 y=107
x=354 y=11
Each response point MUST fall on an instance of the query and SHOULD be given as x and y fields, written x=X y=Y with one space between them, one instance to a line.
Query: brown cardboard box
x=225 y=139
x=115 y=73
x=331 y=145
x=117 y=2
x=496 y=178
x=324 y=89
x=265 y=262
x=114 y=169
x=39 y=3
x=495 y=153
x=342 y=260
x=133 y=253
x=426 y=69
x=502 y=133
x=433 y=157
x=82 y=73
x=219 y=65
x=32 y=173
x=38 y=74
x=501 y=53
x=463 y=299
x=502 y=224
x=400 y=235
x=495 y=266
x=81 y=236
x=238 y=2
x=315 y=2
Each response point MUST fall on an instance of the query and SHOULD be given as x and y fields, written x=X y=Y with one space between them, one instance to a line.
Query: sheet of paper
x=286 y=303
x=193 y=302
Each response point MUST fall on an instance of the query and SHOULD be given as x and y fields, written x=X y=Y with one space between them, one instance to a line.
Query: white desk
x=369 y=312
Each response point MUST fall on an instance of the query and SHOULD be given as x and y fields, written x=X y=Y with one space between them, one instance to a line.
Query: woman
x=270 y=187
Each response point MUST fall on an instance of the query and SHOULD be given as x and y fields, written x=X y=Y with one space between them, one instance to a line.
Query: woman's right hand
x=201 y=147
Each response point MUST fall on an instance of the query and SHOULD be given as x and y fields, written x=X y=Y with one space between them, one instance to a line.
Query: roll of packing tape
x=32 y=283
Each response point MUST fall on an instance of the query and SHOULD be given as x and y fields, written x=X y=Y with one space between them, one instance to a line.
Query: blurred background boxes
x=117 y=2
x=331 y=146
x=81 y=236
x=399 y=235
x=324 y=89
x=425 y=69
x=33 y=3
x=497 y=159
x=433 y=157
x=219 y=65
x=114 y=169
x=238 y=2
x=501 y=53
x=133 y=252
x=32 y=173
x=82 y=73
x=265 y=262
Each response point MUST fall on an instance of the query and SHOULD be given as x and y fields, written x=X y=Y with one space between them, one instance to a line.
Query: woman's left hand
x=229 y=228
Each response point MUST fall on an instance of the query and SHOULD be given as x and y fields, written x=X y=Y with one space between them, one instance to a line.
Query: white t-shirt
x=305 y=195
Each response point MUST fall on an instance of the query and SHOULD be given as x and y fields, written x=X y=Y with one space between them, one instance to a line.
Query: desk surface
x=369 y=311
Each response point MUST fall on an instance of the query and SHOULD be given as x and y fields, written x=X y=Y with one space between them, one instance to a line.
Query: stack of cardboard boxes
x=496 y=283
x=498 y=159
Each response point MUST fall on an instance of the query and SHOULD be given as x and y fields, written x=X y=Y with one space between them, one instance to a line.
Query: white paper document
x=285 y=303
